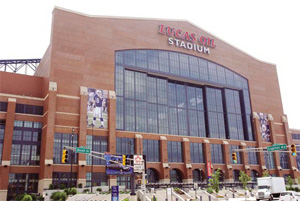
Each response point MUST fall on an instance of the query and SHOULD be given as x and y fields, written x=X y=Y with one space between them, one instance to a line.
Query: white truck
x=269 y=187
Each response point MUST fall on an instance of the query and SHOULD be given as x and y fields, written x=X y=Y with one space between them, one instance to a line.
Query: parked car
x=289 y=196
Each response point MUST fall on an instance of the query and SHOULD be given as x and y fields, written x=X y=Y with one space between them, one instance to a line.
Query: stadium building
x=163 y=88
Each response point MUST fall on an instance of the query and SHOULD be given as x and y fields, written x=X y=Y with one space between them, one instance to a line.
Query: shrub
x=99 y=190
x=209 y=190
x=27 y=198
x=80 y=185
x=59 y=196
x=62 y=186
x=34 y=197
x=296 y=189
x=70 y=191
x=73 y=191
x=51 y=186
x=40 y=198
x=20 y=197
x=86 y=191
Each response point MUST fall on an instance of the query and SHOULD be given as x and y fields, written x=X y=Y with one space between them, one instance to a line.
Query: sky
x=266 y=29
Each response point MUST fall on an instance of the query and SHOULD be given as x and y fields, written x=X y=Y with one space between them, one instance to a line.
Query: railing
x=201 y=185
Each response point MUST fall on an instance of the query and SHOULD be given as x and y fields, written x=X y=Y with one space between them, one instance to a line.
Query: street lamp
x=73 y=130
x=92 y=159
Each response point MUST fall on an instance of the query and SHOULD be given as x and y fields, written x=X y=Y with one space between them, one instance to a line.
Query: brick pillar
x=112 y=130
x=138 y=144
x=288 y=136
x=7 y=143
x=81 y=172
x=46 y=161
x=274 y=141
x=165 y=168
x=259 y=141
x=187 y=161
x=244 y=158
x=227 y=158
x=207 y=154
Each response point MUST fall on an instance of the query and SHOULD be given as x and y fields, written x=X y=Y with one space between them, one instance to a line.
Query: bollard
x=200 y=197
x=209 y=198
x=176 y=199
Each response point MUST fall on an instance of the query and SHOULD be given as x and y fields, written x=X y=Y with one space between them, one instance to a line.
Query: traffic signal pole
x=101 y=156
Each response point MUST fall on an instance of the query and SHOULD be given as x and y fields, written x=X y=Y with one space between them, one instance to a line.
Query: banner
x=264 y=127
x=118 y=168
x=97 y=107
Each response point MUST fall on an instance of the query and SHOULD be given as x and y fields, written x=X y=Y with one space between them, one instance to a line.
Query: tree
x=244 y=178
x=289 y=181
x=265 y=173
x=214 y=181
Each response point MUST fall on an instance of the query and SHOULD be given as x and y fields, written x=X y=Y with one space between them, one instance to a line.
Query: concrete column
x=227 y=158
x=187 y=160
x=81 y=174
x=46 y=161
x=138 y=144
x=207 y=153
x=7 y=143
x=165 y=168
x=291 y=159
x=259 y=141
x=274 y=141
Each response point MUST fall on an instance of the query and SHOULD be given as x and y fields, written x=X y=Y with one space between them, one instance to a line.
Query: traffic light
x=234 y=158
x=124 y=159
x=65 y=156
x=294 y=150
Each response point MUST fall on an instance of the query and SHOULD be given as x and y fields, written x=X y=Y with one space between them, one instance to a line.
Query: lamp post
x=92 y=159
x=73 y=130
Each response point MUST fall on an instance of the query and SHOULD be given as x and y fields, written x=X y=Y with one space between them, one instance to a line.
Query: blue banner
x=115 y=193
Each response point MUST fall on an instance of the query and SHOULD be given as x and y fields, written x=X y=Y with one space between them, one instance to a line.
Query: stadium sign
x=184 y=39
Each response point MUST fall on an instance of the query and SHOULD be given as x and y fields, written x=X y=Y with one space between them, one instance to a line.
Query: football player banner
x=97 y=106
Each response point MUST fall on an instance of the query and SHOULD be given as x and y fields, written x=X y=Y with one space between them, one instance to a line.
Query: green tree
x=244 y=178
x=290 y=181
x=265 y=173
x=214 y=181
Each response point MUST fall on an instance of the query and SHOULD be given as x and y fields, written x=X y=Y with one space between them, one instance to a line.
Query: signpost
x=114 y=193
x=276 y=147
x=83 y=150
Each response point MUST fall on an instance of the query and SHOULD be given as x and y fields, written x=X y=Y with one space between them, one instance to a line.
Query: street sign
x=138 y=163
x=138 y=159
x=276 y=147
x=115 y=193
x=107 y=157
x=83 y=150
